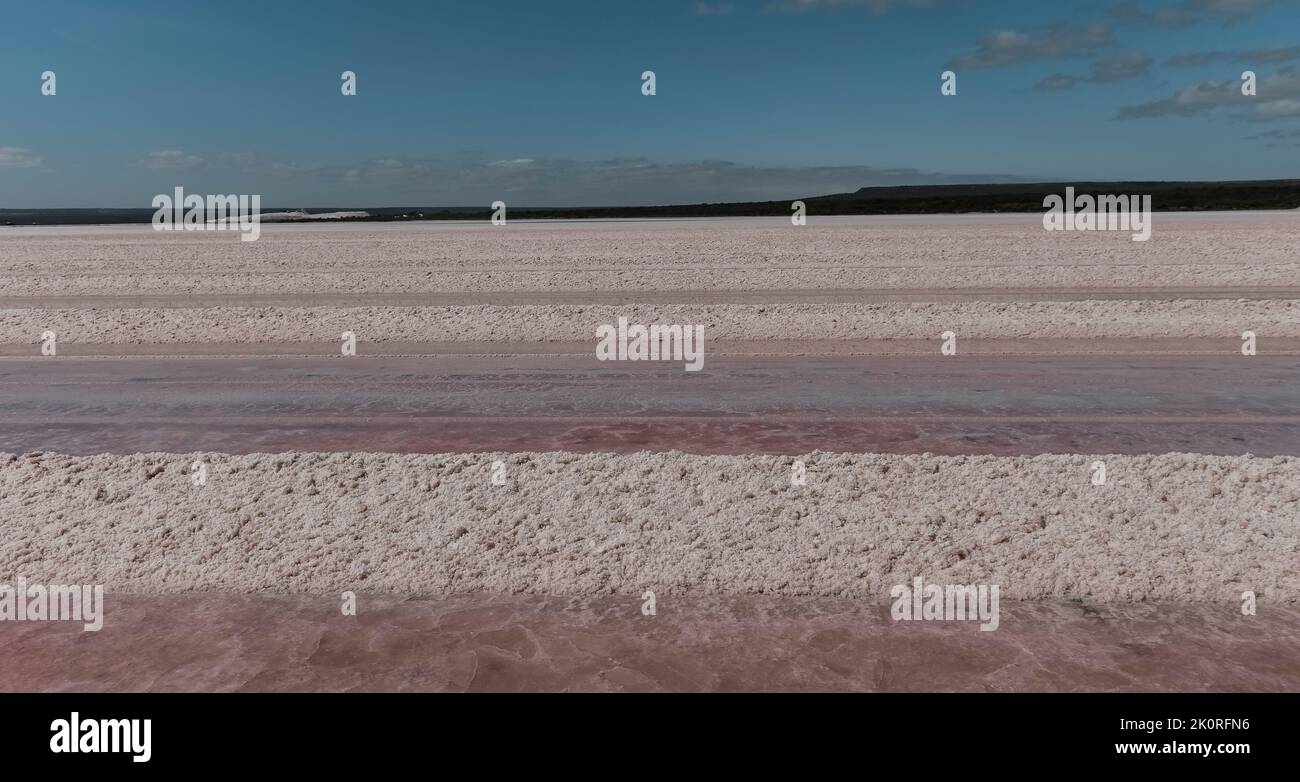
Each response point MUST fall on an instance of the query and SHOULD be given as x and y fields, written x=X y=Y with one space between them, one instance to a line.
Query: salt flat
x=762 y=280
x=475 y=346
x=943 y=253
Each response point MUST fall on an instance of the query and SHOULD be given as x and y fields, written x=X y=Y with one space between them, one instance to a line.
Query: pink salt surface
x=215 y=642
x=1225 y=404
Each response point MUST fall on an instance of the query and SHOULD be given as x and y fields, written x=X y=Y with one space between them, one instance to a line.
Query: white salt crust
x=1176 y=527
x=566 y=323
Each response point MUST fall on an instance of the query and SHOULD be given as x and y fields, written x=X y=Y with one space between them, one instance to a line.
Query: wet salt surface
x=959 y=405
x=218 y=642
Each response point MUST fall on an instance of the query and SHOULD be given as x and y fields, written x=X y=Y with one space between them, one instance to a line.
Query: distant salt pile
x=300 y=216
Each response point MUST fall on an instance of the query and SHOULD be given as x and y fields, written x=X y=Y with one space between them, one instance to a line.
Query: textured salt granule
x=1176 y=527
x=560 y=323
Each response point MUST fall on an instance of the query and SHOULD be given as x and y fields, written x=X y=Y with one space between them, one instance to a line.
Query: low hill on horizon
x=893 y=200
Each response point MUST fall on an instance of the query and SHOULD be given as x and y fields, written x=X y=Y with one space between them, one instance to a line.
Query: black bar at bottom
x=444 y=733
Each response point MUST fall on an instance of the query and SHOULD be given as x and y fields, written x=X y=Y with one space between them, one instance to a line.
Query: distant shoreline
x=1275 y=194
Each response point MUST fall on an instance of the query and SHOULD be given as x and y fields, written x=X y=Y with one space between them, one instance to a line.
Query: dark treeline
x=908 y=199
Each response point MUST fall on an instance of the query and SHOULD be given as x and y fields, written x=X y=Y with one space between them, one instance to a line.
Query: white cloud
x=632 y=181
x=1268 y=56
x=18 y=157
x=1118 y=67
x=1190 y=12
x=1231 y=10
x=614 y=182
x=1008 y=47
x=1277 y=96
x=170 y=159
x=875 y=6
x=1274 y=109
x=1056 y=81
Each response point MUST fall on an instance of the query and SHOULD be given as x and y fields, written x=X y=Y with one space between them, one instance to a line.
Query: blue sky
x=540 y=103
